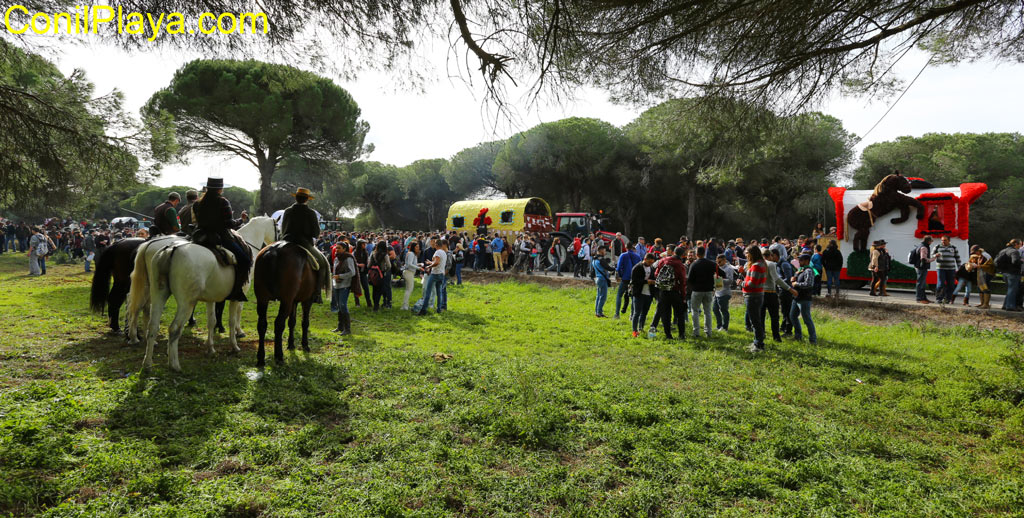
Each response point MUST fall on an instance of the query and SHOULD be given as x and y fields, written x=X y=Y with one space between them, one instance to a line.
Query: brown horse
x=283 y=272
x=886 y=197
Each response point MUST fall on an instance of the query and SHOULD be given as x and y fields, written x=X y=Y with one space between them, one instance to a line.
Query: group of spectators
x=77 y=240
x=693 y=280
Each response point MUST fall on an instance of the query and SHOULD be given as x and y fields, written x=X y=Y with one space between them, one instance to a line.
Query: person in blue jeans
x=623 y=271
x=803 y=282
x=602 y=277
x=1008 y=262
x=435 y=278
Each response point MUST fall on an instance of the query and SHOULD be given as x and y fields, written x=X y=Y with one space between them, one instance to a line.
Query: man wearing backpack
x=38 y=247
x=624 y=271
x=1008 y=263
x=602 y=277
x=922 y=260
x=670 y=279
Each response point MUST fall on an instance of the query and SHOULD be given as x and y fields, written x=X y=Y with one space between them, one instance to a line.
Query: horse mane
x=883 y=185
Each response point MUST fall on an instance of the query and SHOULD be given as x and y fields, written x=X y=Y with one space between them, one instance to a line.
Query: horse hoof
x=305 y=348
x=279 y=361
x=191 y=322
x=240 y=334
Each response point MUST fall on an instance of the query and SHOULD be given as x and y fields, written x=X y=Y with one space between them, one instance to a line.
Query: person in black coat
x=214 y=222
x=641 y=281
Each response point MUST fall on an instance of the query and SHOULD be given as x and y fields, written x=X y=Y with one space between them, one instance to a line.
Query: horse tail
x=138 y=295
x=101 y=280
x=846 y=226
x=162 y=266
x=264 y=266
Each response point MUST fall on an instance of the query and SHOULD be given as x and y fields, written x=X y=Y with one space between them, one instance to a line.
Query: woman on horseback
x=214 y=221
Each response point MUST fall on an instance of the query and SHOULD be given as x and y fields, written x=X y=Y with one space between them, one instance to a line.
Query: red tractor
x=568 y=224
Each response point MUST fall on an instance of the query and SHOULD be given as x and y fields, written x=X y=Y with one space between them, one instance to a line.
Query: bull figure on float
x=887 y=196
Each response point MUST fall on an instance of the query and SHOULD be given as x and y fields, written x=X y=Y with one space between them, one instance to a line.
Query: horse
x=886 y=197
x=283 y=272
x=174 y=266
x=116 y=262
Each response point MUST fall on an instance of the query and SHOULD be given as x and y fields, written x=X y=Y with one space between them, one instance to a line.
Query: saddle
x=224 y=256
x=314 y=263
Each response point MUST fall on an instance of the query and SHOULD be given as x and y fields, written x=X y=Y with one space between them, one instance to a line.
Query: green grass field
x=542 y=410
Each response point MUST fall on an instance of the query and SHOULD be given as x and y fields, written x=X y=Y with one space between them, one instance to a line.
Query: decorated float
x=902 y=211
x=503 y=216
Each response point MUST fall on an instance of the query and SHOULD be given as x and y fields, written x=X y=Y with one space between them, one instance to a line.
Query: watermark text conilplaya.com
x=92 y=19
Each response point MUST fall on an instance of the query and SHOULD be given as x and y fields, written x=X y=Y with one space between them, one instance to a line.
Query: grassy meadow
x=542 y=410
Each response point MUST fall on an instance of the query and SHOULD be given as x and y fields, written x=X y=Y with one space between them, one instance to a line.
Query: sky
x=446 y=116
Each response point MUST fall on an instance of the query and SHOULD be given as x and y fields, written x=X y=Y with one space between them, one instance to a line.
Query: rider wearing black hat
x=300 y=225
x=213 y=219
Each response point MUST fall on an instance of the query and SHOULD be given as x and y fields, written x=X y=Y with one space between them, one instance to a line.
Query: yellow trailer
x=517 y=215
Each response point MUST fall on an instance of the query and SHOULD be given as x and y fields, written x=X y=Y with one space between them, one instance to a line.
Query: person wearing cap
x=803 y=283
x=299 y=225
x=185 y=214
x=165 y=216
x=214 y=221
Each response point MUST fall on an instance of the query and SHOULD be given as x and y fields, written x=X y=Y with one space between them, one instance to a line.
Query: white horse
x=171 y=265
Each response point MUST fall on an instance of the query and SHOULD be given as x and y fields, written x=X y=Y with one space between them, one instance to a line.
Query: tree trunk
x=691 y=212
x=267 y=163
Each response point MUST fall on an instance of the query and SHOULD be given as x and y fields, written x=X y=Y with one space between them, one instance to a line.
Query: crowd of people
x=682 y=280
x=77 y=240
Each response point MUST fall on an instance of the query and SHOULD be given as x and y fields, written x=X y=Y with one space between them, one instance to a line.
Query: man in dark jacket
x=299 y=225
x=672 y=296
x=832 y=261
x=701 y=280
x=213 y=219
x=1008 y=263
x=165 y=216
x=641 y=282
x=185 y=214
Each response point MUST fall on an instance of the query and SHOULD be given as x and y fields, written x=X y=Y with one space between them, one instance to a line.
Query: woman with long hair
x=362 y=258
x=756 y=274
x=381 y=265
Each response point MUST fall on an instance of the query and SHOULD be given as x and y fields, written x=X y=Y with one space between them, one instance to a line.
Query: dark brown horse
x=283 y=272
x=886 y=197
x=116 y=262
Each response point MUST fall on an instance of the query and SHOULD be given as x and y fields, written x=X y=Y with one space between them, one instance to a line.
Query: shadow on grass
x=178 y=412
x=303 y=390
x=806 y=355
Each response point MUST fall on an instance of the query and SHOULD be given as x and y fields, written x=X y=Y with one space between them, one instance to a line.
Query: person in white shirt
x=409 y=270
x=435 y=279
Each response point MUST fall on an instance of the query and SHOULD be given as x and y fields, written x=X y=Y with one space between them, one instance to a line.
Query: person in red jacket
x=672 y=285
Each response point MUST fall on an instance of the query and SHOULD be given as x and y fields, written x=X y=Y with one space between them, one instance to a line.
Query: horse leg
x=220 y=317
x=305 y=324
x=157 y=302
x=174 y=332
x=282 y=316
x=261 y=330
x=210 y=331
x=291 y=326
x=234 y=315
x=904 y=215
x=114 y=302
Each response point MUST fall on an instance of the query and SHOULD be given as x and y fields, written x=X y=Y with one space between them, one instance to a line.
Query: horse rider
x=299 y=225
x=212 y=216
x=165 y=216
x=185 y=214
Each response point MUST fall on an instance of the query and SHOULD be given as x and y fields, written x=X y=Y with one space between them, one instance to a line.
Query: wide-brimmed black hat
x=215 y=183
